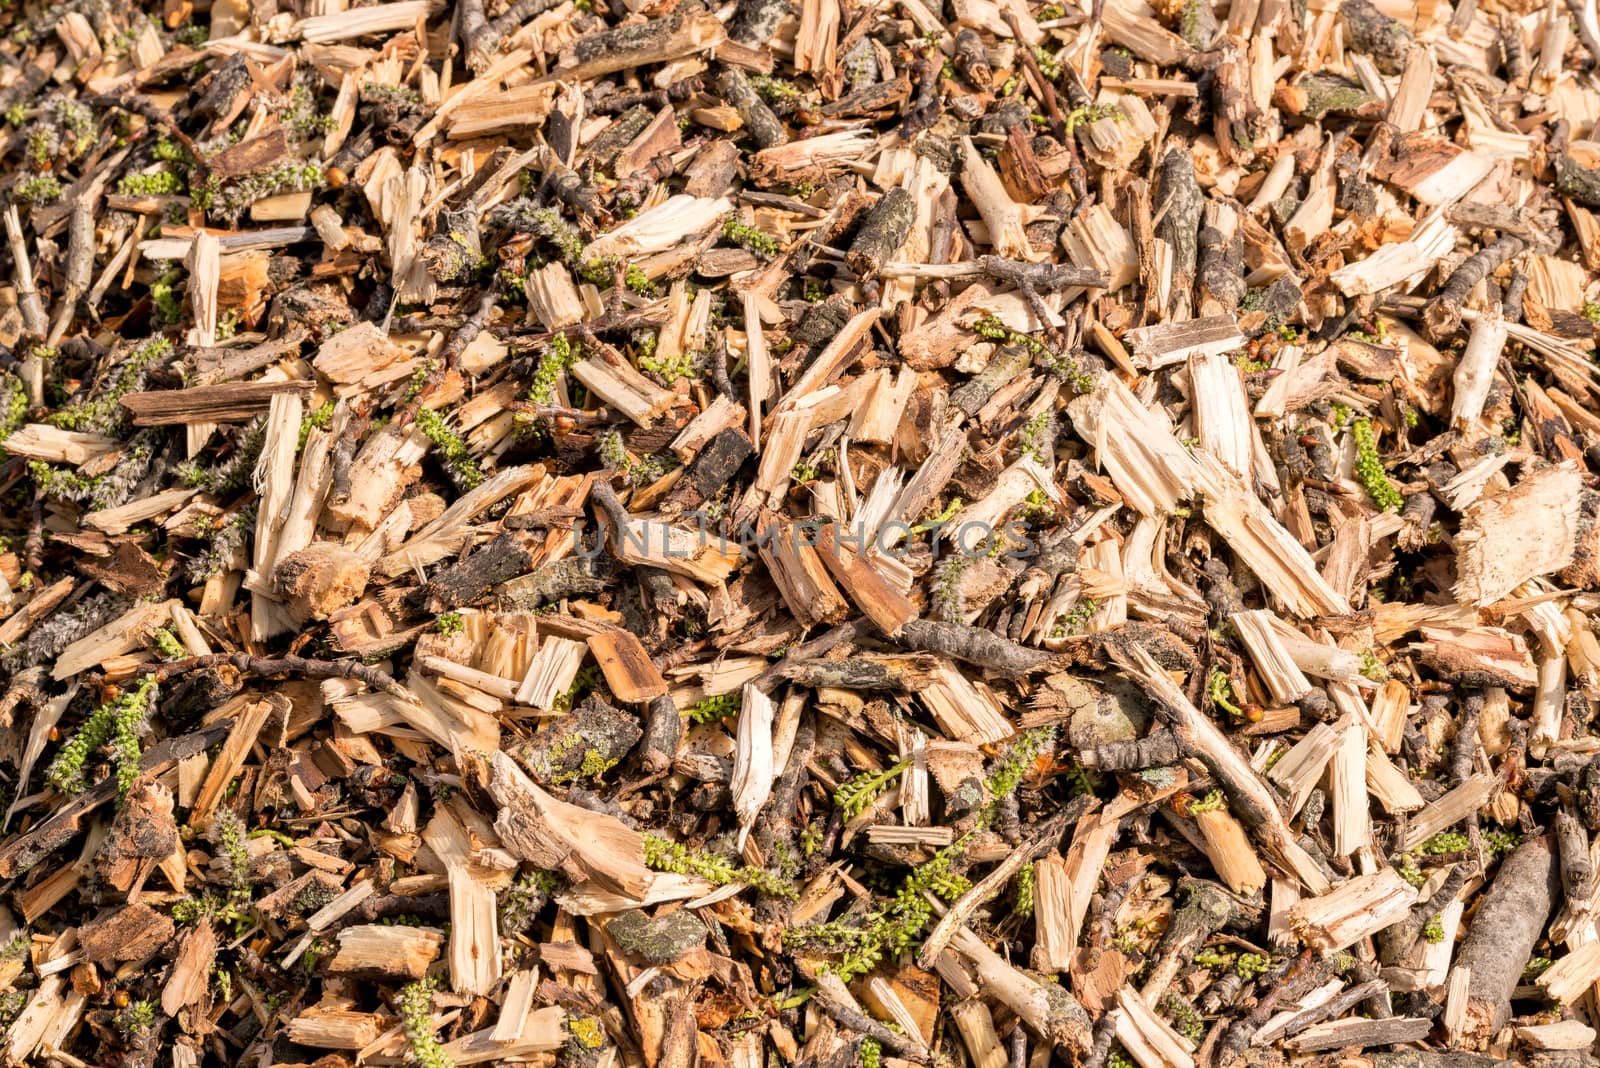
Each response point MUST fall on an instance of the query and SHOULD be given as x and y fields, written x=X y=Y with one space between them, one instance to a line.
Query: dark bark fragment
x=764 y=126
x=1504 y=931
x=1179 y=205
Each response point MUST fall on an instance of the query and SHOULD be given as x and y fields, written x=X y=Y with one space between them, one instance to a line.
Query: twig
x=266 y=667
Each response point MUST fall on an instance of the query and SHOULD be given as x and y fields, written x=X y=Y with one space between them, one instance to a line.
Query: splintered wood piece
x=1048 y=1010
x=1390 y=706
x=963 y=711
x=1255 y=535
x=351 y=355
x=335 y=1024
x=800 y=574
x=543 y=1031
x=399 y=952
x=1393 y=790
x=1137 y=447
x=626 y=666
x=1222 y=411
x=1230 y=851
x=676 y=549
x=123 y=634
x=1565 y=1034
x=1347 y=774
x=1354 y=910
x=1003 y=218
x=1055 y=929
x=587 y=846
x=191 y=971
x=976 y=1026
x=1450 y=809
x=1494 y=552
x=1160 y=346
x=1149 y=1039
x=235 y=750
x=1343 y=1034
x=517 y=1007
x=551 y=671
x=624 y=389
x=1400 y=262
x=1568 y=978
x=886 y=606
x=753 y=759
x=474 y=929
x=674 y=37
x=1277 y=668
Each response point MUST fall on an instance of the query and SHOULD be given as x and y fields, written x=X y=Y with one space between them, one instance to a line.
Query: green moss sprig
x=1252 y=965
x=776 y=90
x=138 y=1016
x=317 y=420
x=663 y=854
x=669 y=368
x=894 y=927
x=103 y=412
x=711 y=709
x=751 y=237
x=1498 y=843
x=1008 y=773
x=1047 y=66
x=1073 y=370
x=1025 y=889
x=853 y=796
x=125 y=738
x=301 y=118
x=1075 y=621
x=520 y=904
x=232 y=474
x=1220 y=690
x=614 y=455
x=1444 y=842
x=639 y=282
x=225 y=541
x=39 y=189
x=453 y=454
x=1247 y=965
x=1033 y=437
x=871 y=1053
x=13 y=404
x=168 y=645
x=155 y=184
x=119 y=721
x=230 y=201
x=1369 y=469
x=229 y=832
x=416 y=1017
x=558 y=355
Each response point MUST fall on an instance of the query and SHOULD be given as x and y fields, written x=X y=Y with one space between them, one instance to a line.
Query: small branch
x=974 y=645
x=266 y=667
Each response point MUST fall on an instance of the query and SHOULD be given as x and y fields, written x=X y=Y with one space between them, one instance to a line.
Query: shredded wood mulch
x=627 y=534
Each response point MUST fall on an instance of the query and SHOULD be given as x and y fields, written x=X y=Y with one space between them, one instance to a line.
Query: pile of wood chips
x=624 y=534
